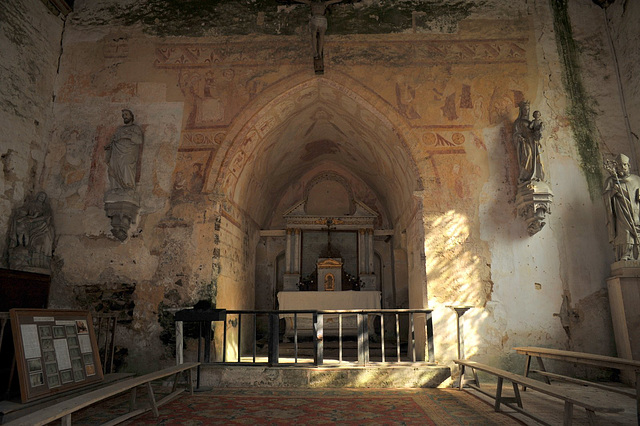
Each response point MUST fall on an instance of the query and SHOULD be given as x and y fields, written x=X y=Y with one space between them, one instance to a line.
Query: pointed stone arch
x=241 y=168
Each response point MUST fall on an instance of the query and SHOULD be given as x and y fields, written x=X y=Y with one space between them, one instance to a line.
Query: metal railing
x=397 y=330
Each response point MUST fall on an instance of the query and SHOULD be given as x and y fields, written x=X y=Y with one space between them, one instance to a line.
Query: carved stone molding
x=122 y=209
x=533 y=201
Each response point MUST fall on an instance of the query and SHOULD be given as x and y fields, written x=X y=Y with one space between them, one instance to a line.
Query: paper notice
x=85 y=343
x=62 y=354
x=30 y=343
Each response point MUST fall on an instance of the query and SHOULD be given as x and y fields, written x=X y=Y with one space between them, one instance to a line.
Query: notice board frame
x=56 y=351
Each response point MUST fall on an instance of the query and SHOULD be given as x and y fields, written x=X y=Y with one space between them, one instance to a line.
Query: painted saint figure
x=318 y=23
x=622 y=199
x=526 y=136
x=123 y=152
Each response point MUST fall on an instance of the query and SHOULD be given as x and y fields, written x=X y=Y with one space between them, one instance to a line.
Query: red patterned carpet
x=312 y=407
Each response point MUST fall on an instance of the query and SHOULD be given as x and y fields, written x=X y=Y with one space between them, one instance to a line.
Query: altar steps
x=330 y=375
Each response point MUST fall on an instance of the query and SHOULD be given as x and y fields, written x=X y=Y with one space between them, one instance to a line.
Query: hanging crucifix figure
x=318 y=24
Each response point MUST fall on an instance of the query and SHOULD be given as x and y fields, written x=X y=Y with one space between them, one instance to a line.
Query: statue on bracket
x=622 y=200
x=533 y=196
x=318 y=27
x=121 y=202
x=31 y=235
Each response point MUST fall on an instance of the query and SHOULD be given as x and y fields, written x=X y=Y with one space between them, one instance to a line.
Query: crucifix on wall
x=318 y=27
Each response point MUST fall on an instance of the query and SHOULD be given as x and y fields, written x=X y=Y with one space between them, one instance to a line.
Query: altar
x=327 y=301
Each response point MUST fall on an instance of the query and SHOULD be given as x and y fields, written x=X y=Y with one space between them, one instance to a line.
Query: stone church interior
x=318 y=194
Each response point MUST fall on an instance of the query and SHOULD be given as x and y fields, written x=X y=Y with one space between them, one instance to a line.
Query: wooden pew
x=583 y=358
x=64 y=409
x=570 y=399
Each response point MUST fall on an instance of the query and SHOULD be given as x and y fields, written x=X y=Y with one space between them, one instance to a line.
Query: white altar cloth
x=328 y=300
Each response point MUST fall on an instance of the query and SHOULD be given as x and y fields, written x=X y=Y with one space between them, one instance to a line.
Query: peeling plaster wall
x=447 y=88
x=30 y=45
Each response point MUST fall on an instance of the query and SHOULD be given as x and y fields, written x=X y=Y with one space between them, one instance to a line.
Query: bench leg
x=175 y=382
x=190 y=378
x=527 y=367
x=541 y=364
x=461 y=384
x=498 y=393
x=132 y=399
x=516 y=391
x=152 y=400
x=66 y=420
x=591 y=415
x=568 y=413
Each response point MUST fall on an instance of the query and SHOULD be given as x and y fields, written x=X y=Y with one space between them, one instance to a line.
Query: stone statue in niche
x=123 y=152
x=622 y=199
x=526 y=136
x=122 y=203
x=31 y=235
x=533 y=196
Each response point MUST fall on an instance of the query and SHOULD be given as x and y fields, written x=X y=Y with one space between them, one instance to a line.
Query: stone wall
x=621 y=18
x=415 y=109
x=30 y=38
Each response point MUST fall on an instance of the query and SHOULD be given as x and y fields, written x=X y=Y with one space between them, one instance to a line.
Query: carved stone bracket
x=533 y=201
x=122 y=209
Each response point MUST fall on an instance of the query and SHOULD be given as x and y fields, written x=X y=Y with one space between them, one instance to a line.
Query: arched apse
x=318 y=121
x=299 y=129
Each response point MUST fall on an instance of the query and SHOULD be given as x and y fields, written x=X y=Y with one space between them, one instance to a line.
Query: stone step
x=344 y=375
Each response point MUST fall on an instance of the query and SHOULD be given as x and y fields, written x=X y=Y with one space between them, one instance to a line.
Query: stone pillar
x=292 y=259
x=365 y=252
x=624 y=299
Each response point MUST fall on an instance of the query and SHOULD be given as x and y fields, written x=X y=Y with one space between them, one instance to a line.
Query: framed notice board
x=55 y=351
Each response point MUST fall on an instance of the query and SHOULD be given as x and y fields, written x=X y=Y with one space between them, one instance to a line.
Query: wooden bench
x=583 y=358
x=570 y=399
x=64 y=409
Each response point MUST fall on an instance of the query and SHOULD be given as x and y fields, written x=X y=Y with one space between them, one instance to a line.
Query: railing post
x=179 y=343
x=255 y=337
x=274 y=336
x=340 y=338
x=397 y=337
x=413 y=337
x=430 y=346
x=239 y=337
x=318 y=338
x=382 y=336
x=295 y=338
x=224 y=340
x=363 y=339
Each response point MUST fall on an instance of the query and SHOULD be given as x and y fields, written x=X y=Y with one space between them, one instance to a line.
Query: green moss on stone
x=580 y=110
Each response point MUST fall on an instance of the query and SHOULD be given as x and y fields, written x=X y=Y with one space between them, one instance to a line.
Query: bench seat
x=64 y=409
x=570 y=399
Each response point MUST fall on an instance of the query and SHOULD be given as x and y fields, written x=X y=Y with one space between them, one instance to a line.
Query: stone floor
x=551 y=410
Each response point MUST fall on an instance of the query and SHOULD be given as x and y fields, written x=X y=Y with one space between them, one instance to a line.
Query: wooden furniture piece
x=583 y=358
x=105 y=328
x=64 y=409
x=570 y=399
x=203 y=317
x=19 y=289
x=55 y=351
